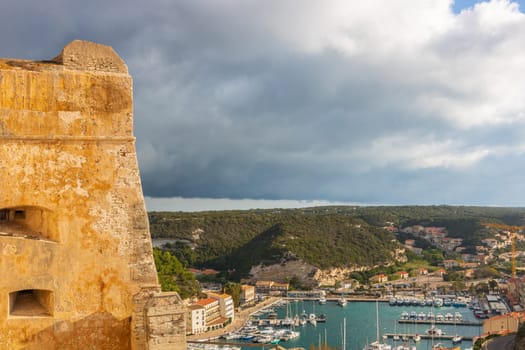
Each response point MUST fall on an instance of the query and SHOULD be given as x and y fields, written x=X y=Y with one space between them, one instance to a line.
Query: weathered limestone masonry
x=76 y=264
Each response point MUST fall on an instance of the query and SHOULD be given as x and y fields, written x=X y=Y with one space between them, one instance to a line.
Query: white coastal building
x=196 y=320
x=226 y=305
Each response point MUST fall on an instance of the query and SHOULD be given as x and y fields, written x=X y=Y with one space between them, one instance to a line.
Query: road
x=238 y=323
x=500 y=343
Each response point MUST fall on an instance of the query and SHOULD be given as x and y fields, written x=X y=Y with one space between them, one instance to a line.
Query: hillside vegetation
x=324 y=237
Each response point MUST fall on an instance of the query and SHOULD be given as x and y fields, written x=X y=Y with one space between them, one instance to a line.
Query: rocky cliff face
x=286 y=271
x=329 y=277
x=307 y=274
x=311 y=275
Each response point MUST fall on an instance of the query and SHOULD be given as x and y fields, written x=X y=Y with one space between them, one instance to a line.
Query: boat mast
x=377 y=322
x=433 y=323
x=344 y=333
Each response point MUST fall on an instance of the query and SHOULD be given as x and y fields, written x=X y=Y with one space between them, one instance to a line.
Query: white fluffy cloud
x=304 y=90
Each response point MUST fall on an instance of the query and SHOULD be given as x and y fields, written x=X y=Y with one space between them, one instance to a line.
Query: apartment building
x=196 y=320
x=212 y=312
x=226 y=306
x=247 y=294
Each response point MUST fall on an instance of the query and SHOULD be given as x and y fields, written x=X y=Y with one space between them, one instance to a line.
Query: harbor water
x=360 y=320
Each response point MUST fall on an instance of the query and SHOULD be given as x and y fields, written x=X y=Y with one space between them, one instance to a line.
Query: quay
x=450 y=323
x=425 y=336
x=241 y=318
x=349 y=298
x=268 y=322
x=258 y=345
x=279 y=322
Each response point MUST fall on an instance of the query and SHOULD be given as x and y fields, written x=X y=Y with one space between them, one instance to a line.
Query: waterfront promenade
x=239 y=321
x=243 y=316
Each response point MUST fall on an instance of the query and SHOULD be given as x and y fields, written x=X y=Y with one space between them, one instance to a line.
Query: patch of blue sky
x=460 y=5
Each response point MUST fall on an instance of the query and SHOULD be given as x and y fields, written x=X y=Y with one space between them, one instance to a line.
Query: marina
x=295 y=324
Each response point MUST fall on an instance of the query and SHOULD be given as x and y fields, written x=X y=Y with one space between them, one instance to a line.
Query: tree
x=182 y=251
x=493 y=285
x=295 y=283
x=434 y=256
x=173 y=277
x=486 y=272
x=454 y=276
x=482 y=288
x=458 y=285
x=233 y=289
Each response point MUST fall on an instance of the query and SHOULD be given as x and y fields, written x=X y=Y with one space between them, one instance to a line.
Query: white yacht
x=438 y=302
x=312 y=318
x=434 y=331
x=457 y=339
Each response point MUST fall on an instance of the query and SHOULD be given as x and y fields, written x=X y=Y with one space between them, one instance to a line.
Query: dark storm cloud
x=294 y=100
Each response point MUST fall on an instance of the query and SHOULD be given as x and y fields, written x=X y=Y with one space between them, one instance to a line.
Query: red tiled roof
x=216 y=321
x=206 y=301
x=195 y=306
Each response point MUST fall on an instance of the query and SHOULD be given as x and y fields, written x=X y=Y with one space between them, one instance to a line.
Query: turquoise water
x=361 y=324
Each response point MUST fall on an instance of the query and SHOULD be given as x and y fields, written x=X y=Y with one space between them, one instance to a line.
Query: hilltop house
x=403 y=275
x=379 y=278
x=448 y=264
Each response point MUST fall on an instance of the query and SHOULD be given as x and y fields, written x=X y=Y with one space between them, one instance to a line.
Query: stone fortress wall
x=75 y=249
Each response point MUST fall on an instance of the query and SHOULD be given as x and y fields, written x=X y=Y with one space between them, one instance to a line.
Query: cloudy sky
x=294 y=102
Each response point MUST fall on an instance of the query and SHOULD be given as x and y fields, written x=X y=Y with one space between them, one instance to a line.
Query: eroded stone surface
x=88 y=56
x=74 y=225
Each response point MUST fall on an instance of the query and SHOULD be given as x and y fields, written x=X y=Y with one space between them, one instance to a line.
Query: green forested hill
x=233 y=239
x=323 y=236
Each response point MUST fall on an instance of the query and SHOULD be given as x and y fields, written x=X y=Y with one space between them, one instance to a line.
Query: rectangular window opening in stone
x=28 y=222
x=31 y=303
x=20 y=214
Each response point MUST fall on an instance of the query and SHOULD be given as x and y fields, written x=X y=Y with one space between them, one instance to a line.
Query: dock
x=449 y=323
x=239 y=344
x=425 y=336
x=269 y=322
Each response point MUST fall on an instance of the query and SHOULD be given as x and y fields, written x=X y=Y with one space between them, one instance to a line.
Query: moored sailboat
x=457 y=339
x=376 y=345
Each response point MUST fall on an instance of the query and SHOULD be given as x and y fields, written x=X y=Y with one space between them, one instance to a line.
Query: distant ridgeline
x=325 y=237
